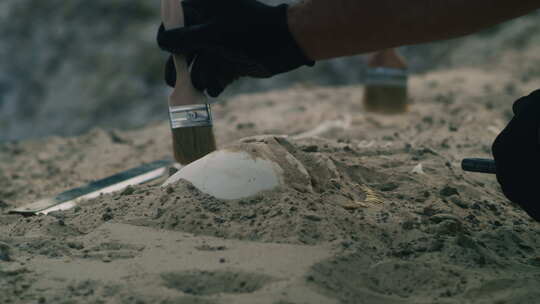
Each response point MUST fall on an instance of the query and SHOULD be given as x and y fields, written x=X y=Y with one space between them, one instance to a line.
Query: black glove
x=517 y=155
x=191 y=17
x=232 y=39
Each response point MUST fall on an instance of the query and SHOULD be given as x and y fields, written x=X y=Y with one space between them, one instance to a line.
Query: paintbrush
x=386 y=83
x=190 y=114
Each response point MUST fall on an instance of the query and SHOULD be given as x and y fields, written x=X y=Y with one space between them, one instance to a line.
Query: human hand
x=517 y=155
x=226 y=40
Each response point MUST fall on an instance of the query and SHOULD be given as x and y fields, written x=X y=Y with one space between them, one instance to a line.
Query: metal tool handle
x=479 y=165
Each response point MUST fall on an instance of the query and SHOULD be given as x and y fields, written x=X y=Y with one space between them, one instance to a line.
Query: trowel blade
x=68 y=199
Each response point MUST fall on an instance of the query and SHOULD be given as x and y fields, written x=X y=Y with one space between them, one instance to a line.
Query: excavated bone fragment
x=231 y=175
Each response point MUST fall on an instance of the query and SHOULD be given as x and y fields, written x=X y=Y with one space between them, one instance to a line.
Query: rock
x=418 y=169
x=75 y=245
x=119 y=138
x=449 y=227
x=448 y=191
x=459 y=202
x=4 y=205
x=172 y=171
x=5 y=252
x=106 y=259
x=312 y=217
x=466 y=242
x=247 y=125
x=437 y=218
x=387 y=187
x=128 y=191
x=107 y=216
x=311 y=149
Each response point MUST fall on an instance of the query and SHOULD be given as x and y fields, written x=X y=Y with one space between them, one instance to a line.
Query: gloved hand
x=517 y=155
x=230 y=39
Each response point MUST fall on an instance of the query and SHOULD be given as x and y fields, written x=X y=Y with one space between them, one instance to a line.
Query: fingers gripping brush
x=190 y=115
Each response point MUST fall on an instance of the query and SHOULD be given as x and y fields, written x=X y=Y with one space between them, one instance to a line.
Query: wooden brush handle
x=184 y=93
x=389 y=58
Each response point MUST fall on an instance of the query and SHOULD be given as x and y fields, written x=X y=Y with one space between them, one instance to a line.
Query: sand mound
x=317 y=203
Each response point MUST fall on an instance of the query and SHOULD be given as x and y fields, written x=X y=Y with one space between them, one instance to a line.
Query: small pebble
x=5 y=252
x=107 y=217
x=448 y=191
x=311 y=149
x=3 y=205
x=459 y=202
x=312 y=217
x=389 y=187
x=172 y=171
x=106 y=259
x=418 y=169
x=128 y=191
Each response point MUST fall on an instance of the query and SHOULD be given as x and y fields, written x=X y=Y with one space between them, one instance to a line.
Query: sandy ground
x=383 y=215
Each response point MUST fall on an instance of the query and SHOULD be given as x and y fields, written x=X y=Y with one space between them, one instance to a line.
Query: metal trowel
x=69 y=199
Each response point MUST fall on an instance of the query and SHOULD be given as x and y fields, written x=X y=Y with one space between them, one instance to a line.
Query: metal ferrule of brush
x=190 y=116
x=387 y=77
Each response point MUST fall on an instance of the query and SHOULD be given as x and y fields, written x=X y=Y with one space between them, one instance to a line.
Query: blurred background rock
x=68 y=66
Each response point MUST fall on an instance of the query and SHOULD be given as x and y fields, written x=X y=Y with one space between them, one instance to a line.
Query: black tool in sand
x=479 y=165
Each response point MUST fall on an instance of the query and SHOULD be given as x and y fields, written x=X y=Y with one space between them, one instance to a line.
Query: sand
x=375 y=210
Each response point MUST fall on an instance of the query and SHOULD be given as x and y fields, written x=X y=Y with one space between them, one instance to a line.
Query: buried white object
x=229 y=174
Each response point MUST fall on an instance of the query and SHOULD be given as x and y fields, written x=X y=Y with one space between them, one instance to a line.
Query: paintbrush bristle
x=386 y=99
x=193 y=143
